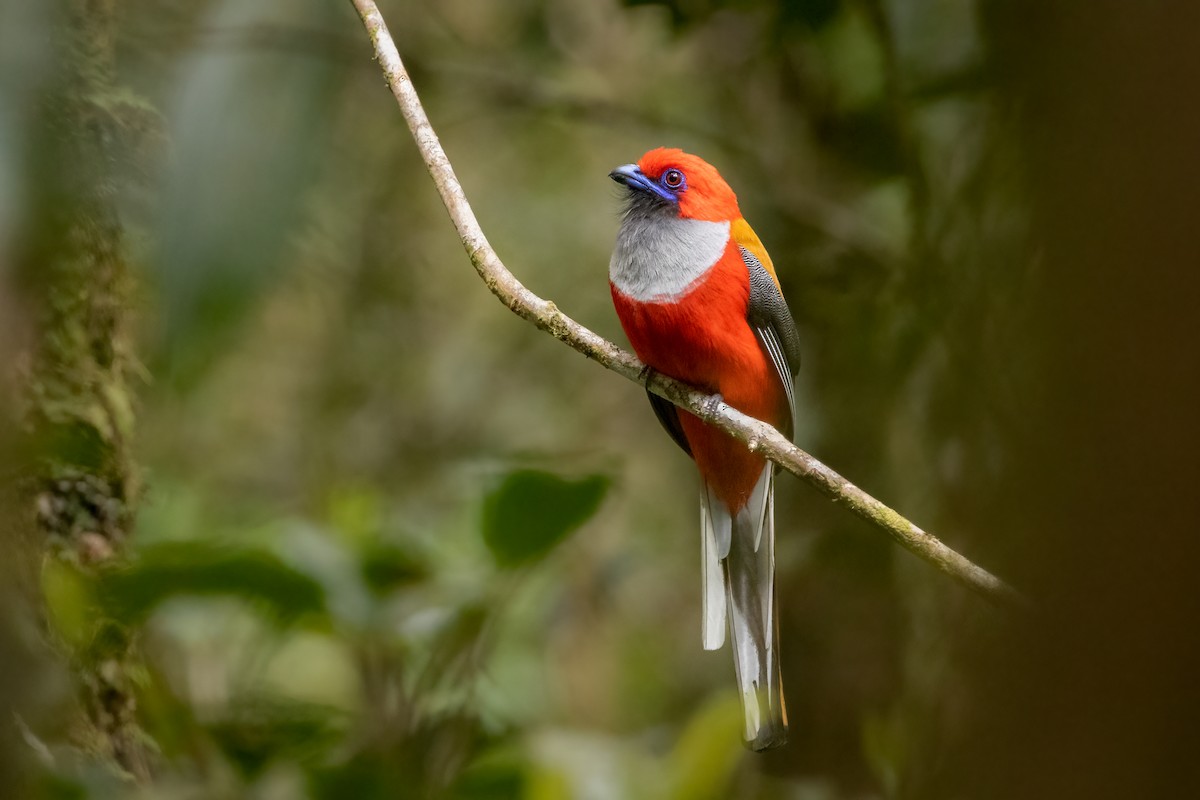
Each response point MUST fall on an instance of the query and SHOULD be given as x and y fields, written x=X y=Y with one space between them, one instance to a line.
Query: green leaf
x=531 y=511
x=498 y=773
x=202 y=568
x=261 y=729
x=386 y=567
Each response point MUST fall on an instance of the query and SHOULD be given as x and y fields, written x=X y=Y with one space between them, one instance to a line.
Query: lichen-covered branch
x=757 y=435
x=78 y=395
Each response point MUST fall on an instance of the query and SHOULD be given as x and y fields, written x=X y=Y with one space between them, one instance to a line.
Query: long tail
x=739 y=582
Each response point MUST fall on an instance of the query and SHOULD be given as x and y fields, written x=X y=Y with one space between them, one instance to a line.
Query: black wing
x=668 y=415
x=768 y=314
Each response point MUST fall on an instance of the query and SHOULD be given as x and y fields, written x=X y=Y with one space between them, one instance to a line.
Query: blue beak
x=635 y=179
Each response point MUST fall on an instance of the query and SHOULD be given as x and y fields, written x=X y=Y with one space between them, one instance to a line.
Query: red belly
x=704 y=339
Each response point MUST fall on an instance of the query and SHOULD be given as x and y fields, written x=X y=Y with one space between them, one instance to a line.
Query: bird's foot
x=713 y=404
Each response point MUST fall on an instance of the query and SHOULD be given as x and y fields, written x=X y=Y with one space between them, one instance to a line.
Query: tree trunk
x=79 y=401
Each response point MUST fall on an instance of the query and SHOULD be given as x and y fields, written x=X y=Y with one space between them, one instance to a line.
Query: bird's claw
x=713 y=404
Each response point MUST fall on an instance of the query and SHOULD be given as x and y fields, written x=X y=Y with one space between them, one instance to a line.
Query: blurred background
x=294 y=508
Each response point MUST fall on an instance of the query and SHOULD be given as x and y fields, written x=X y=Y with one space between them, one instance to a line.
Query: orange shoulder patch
x=745 y=236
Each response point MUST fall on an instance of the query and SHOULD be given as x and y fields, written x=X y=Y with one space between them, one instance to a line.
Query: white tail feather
x=750 y=587
x=716 y=529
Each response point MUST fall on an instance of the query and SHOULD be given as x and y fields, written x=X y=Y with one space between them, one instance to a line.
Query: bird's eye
x=673 y=179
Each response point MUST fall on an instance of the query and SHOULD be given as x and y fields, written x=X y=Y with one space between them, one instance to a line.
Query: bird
x=697 y=295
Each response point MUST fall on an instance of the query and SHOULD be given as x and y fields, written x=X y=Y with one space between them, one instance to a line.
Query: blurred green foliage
x=531 y=511
x=350 y=448
x=394 y=542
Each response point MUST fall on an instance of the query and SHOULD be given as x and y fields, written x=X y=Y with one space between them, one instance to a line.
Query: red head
x=681 y=181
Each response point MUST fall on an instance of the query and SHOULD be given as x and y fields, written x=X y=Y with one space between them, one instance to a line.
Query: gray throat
x=660 y=256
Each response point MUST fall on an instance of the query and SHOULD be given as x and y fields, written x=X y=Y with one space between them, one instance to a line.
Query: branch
x=758 y=436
